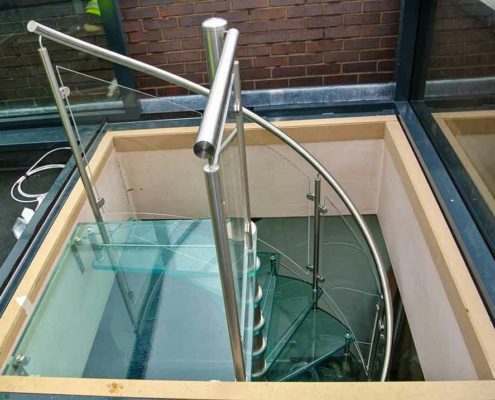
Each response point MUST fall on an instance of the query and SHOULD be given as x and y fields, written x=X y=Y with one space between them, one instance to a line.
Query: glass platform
x=144 y=303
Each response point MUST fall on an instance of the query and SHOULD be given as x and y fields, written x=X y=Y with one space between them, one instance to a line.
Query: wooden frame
x=470 y=314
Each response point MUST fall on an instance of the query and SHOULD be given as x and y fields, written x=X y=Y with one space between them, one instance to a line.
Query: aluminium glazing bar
x=177 y=80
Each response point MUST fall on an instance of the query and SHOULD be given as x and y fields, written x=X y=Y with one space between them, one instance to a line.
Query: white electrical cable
x=36 y=198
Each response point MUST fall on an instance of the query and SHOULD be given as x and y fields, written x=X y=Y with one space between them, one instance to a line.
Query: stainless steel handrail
x=80 y=45
x=214 y=115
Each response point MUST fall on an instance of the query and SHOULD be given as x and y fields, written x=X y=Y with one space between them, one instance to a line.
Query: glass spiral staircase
x=237 y=296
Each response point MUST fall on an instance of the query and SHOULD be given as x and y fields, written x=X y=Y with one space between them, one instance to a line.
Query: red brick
x=192 y=44
x=306 y=59
x=343 y=32
x=137 y=48
x=344 y=8
x=212 y=6
x=244 y=4
x=362 y=19
x=289 y=72
x=321 y=1
x=196 y=67
x=391 y=17
x=246 y=63
x=388 y=42
x=340 y=79
x=161 y=47
x=272 y=84
x=288 y=48
x=377 y=54
x=324 y=45
x=148 y=81
x=244 y=40
x=305 y=11
x=153 y=59
x=128 y=4
x=368 y=66
x=152 y=24
x=307 y=34
x=341 y=56
x=270 y=62
x=196 y=78
x=287 y=24
x=383 y=5
x=248 y=27
x=268 y=13
x=234 y=16
x=143 y=3
x=253 y=51
x=135 y=37
x=140 y=13
x=323 y=22
x=380 y=30
x=183 y=56
x=193 y=20
x=255 y=74
x=324 y=69
x=271 y=37
x=275 y=3
x=247 y=85
x=376 y=78
x=387 y=65
x=308 y=81
x=355 y=44
x=176 y=9
x=180 y=33
x=172 y=91
x=133 y=26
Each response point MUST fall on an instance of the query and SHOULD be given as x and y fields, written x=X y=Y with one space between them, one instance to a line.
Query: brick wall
x=463 y=40
x=283 y=43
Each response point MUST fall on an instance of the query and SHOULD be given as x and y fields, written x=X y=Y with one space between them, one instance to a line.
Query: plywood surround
x=405 y=205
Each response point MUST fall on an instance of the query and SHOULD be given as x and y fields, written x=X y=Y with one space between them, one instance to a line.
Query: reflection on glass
x=25 y=88
x=472 y=136
x=457 y=107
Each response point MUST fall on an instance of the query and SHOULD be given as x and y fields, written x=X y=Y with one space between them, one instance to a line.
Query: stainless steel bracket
x=64 y=92
x=311 y=197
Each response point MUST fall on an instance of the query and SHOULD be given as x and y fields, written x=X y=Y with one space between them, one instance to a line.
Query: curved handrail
x=111 y=56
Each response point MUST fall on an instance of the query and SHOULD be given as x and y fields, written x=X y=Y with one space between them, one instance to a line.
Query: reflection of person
x=93 y=9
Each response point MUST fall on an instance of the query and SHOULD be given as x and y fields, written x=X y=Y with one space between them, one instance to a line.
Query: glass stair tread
x=82 y=327
x=177 y=247
x=317 y=338
x=292 y=300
